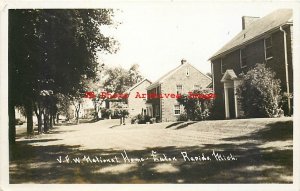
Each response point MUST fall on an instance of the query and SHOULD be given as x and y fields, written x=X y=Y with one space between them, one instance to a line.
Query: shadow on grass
x=279 y=131
x=174 y=124
x=186 y=124
x=114 y=126
x=40 y=164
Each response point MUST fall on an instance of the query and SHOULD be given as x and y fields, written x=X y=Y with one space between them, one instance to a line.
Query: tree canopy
x=53 y=51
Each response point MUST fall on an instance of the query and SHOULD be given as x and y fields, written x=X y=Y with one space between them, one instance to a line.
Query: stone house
x=181 y=80
x=137 y=105
x=262 y=40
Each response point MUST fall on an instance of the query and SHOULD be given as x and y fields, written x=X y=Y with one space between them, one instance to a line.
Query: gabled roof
x=137 y=84
x=167 y=75
x=257 y=29
x=229 y=74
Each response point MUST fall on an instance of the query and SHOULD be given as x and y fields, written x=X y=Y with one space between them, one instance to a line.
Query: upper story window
x=243 y=58
x=223 y=66
x=179 y=89
x=268 y=48
x=187 y=72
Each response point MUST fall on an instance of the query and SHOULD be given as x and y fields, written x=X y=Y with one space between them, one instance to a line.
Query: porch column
x=227 y=115
x=236 y=104
x=236 y=83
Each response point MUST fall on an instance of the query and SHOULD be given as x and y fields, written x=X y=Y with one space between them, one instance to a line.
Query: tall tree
x=119 y=79
x=52 y=50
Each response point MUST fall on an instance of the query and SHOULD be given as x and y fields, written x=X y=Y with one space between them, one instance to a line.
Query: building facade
x=181 y=80
x=262 y=40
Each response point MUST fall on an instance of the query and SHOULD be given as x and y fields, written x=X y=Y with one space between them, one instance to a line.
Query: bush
x=259 y=93
x=200 y=114
x=153 y=120
x=284 y=104
x=19 y=122
x=196 y=108
x=106 y=113
x=182 y=117
x=140 y=119
x=118 y=113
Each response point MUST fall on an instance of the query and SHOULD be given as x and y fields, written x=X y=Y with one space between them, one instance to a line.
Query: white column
x=226 y=103
x=236 y=104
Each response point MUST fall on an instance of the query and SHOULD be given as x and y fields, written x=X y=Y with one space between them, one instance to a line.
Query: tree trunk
x=40 y=123
x=53 y=119
x=38 y=113
x=57 y=118
x=77 y=109
x=96 y=111
x=12 y=123
x=50 y=122
x=46 y=122
x=29 y=110
x=77 y=117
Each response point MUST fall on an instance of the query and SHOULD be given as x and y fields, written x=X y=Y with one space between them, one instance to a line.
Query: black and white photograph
x=175 y=93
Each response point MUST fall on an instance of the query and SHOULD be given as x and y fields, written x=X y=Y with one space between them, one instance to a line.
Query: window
x=187 y=71
x=177 y=109
x=243 y=58
x=197 y=87
x=179 y=89
x=268 y=48
x=223 y=67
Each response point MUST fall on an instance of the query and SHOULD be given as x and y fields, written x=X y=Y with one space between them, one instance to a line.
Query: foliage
x=118 y=113
x=106 y=113
x=284 y=103
x=141 y=119
x=118 y=79
x=53 y=50
x=199 y=107
x=182 y=117
x=152 y=120
x=19 y=122
x=259 y=93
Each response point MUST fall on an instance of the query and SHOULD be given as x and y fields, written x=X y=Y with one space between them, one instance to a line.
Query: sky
x=157 y=36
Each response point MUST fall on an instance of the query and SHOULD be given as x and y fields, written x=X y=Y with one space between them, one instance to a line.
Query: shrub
x=106 y=113
x=284 y=103
x=259 y=93
x=201 y=114
x=140 y=119
x=19 y=122
x=182 y=117
x=196 y=108
x=153 y=120
x=118 y=113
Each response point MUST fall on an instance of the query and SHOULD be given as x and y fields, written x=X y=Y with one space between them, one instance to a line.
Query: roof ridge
x=261 y=26
x=136 y=84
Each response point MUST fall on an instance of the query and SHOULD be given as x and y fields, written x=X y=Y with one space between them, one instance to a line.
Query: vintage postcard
x=149 y=95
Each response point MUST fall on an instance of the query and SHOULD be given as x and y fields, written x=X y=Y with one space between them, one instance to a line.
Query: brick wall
x=180 y=78
x=255 y=54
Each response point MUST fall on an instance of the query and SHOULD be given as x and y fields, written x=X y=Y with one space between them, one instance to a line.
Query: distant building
x=180 y=80
x=262 y=40
x=137 y=105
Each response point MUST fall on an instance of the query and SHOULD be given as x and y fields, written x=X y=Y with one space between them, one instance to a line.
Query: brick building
x=180 y=80
x=262 y=40
x=137 y=105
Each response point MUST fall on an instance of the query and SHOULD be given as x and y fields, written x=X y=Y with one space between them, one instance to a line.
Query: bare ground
x=252 y=151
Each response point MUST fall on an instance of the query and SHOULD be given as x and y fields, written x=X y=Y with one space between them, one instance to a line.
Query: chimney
x=183 y=61
x=247 y=20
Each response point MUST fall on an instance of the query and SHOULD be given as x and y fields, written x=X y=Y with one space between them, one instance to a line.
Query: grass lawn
x=227 y=151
